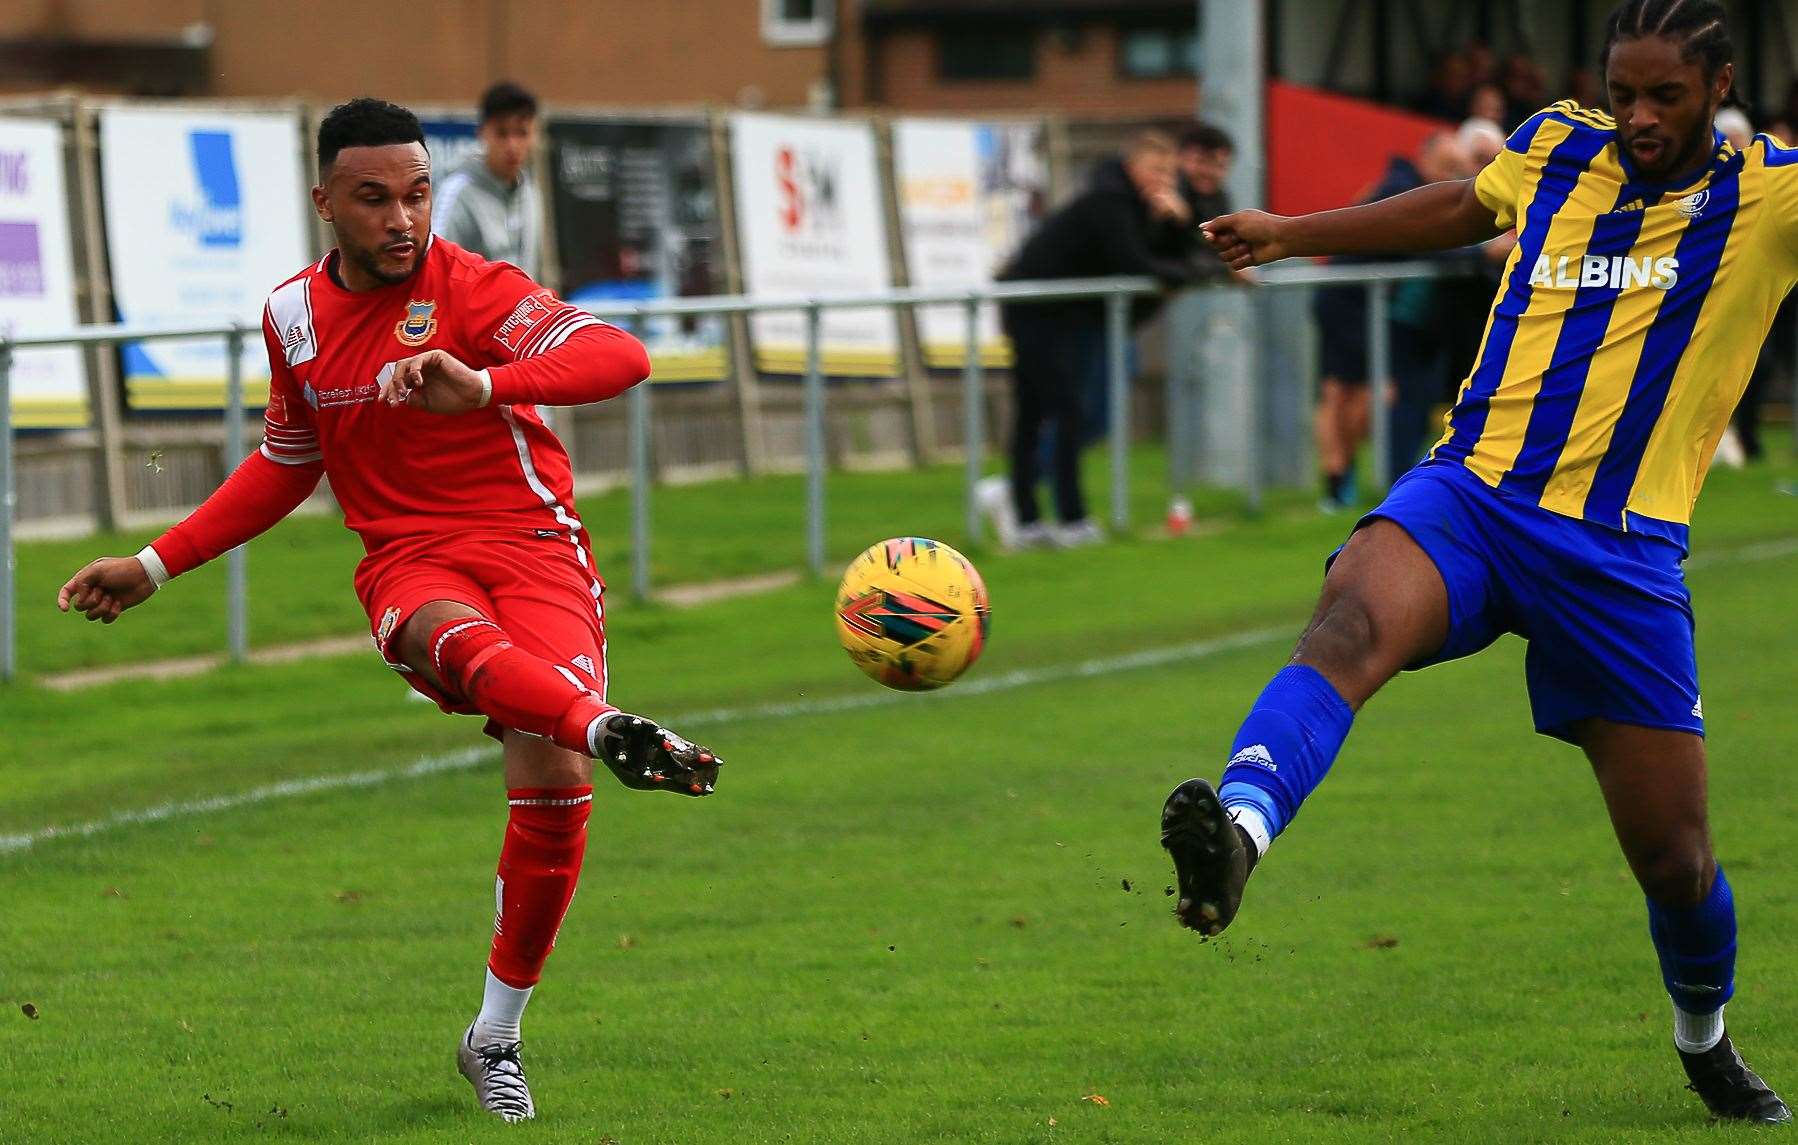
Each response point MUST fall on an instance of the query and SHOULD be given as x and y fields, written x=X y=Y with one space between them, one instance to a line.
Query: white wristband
x=153 y=566
x=486 y=388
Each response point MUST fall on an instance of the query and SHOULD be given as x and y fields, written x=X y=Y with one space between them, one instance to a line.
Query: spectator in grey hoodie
x=489 y=204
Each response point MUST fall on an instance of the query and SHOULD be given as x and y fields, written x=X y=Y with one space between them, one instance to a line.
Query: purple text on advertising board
x=15 y=173
x=21 y=261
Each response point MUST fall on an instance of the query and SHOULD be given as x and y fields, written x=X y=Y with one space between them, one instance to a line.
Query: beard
x=1686 y=156
x=369 y=262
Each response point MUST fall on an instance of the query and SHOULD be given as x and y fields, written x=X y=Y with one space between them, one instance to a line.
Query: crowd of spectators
x=1474 y=83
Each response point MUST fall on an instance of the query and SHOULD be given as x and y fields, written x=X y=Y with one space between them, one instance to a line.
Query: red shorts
x=542 y=589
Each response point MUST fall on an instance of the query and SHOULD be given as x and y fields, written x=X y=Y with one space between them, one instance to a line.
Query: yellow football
x=912 y=613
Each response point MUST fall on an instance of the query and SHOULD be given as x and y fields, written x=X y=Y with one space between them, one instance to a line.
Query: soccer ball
x=912 y=613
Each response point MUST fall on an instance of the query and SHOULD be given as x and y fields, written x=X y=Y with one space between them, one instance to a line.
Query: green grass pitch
x=912 y=920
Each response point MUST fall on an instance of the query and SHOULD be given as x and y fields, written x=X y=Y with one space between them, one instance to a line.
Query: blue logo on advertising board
x=216 y=220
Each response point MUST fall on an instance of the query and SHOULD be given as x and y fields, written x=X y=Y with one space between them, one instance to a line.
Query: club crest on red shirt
x=420 y=322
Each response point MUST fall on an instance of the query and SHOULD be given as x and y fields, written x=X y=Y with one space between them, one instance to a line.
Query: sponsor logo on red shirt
x=346 y=396
x=529 y=311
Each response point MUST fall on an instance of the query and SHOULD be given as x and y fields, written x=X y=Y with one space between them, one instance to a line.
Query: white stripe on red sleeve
x=290 y=444
x=283 y=457
x=544 y=327
x=563 y=316
x=564 y=334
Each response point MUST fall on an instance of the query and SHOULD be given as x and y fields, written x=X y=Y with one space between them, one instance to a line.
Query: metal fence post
x=814 y=440
x=1117 y=331
x=639 y=449
x=1175 y=404
x=9 y=653
x=973 y=402
x=1251 y=311
x=237 y=587
x=1380 y=381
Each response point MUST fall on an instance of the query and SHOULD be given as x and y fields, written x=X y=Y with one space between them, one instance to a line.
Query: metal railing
x=1114 y=293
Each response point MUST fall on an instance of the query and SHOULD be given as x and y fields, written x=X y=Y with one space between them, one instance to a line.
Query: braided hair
x=1699 y=27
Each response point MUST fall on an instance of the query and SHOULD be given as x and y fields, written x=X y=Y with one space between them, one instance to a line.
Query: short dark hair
x=1700 y=27
x=507 y=98
x=1206 y=137
x=365 y=122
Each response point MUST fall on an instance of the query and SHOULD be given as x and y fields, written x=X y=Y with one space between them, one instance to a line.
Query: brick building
x=1087 y=57
x=1127 y=58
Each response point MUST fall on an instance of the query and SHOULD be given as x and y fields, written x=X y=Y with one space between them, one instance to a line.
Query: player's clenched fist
x=106 y=588
x=433 y=381
x=1248 y=238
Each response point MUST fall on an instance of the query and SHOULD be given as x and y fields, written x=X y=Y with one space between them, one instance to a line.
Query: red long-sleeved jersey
x=401 y=472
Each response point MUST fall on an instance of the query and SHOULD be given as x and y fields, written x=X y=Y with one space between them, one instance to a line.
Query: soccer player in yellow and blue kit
x=1651 y=258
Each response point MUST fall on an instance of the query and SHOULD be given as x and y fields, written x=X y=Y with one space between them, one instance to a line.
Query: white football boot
x=497 y=1076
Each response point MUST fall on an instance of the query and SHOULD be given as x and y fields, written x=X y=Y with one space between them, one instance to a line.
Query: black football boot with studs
x=646 y=756
x=1212 y=857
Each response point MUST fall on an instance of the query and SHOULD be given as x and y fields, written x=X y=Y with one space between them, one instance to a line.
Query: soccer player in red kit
x=408 y=371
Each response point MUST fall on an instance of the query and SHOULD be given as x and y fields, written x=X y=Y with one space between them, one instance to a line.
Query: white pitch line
x=985 y=685
x=286 y=789
x=1763 y=551
x=470 y=757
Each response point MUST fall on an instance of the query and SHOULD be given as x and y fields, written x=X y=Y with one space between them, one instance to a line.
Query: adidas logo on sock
x=1256 y=755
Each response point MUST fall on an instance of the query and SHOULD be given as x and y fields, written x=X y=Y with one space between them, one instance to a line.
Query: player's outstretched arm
x=1441 y=216
x=107 y=587
x=259 y=493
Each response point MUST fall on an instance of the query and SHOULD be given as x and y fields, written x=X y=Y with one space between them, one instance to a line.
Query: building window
x=797 y=23
x=986 y=53
x=1158 y=53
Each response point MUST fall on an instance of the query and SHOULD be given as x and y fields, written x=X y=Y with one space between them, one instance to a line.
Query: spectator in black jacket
x=1118 y=226
x=1202 y=160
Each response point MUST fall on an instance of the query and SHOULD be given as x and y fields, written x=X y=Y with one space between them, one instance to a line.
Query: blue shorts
x=1606 y=613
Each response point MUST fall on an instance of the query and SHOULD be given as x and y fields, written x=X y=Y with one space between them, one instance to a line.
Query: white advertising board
x=968 y=194
x=205 y=214
x=810 y=221
x=37 y=275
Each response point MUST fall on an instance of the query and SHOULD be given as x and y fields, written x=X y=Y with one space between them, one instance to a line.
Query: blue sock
x=1286 y=746
x=1697 y=948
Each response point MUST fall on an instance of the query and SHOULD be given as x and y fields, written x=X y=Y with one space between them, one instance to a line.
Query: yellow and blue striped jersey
x=1628 y=323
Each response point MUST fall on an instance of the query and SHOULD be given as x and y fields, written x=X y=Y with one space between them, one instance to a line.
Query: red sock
x=546 y=837
x=474 y=656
